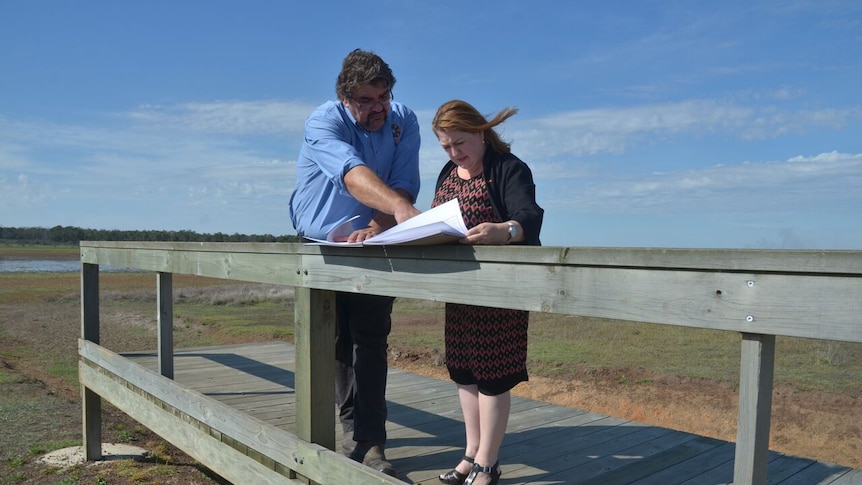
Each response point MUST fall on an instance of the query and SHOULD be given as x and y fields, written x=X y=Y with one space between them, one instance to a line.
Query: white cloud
x=831 y=157
x=265 y=117
x=800 y=184
x=272 y=178
x=226 y=151
x=597 y=131
x=21 y=191
x=616 y=130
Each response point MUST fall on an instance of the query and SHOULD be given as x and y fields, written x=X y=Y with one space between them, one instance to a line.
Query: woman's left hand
x=488 y=233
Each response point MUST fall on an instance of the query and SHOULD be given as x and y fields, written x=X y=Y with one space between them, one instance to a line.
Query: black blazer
x=512 y=191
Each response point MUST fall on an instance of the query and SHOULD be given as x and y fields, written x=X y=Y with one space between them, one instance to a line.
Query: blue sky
x=646 y=123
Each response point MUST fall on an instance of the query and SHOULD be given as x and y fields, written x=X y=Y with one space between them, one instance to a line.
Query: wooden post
x=315 y=366
x=755 y=409
x=91 y=403
x=165 y=303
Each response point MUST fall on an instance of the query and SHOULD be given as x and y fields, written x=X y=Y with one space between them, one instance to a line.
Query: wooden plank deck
x=545 y=444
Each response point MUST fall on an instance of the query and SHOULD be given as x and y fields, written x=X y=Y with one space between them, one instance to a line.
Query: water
x=52 y=266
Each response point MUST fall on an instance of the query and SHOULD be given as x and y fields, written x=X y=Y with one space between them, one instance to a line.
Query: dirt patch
x=75 y=455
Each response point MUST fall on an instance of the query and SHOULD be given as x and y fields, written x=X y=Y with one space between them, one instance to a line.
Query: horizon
x=667 y=125
x=137 y=230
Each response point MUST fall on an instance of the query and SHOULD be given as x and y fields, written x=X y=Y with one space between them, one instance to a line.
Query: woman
x=486 y=348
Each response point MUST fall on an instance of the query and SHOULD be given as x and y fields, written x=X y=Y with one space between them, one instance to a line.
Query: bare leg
x=469 y=397
x=493 y=420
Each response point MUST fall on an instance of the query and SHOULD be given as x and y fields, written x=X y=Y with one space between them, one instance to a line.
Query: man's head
x=364 y=86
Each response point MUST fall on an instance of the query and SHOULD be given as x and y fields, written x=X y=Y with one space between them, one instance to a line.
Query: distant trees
x=74 y=235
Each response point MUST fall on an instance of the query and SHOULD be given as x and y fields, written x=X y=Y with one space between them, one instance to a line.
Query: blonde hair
x=457 y=115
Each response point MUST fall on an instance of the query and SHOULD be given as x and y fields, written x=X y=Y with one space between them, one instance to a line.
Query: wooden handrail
x=760 y=294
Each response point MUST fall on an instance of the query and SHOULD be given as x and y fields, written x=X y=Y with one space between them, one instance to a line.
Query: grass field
x=662 y=375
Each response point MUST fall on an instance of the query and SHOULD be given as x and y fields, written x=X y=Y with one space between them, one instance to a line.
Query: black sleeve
x=519 y=199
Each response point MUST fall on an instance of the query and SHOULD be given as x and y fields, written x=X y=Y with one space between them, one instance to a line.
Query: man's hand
x=361 y=235
x=405 y=211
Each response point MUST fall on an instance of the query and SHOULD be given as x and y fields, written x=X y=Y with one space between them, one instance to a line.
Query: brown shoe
x=358 y=452
x=375 y=458
x=347 y=444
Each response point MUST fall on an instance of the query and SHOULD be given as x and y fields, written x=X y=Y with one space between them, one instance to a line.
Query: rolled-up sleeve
x=329 y=146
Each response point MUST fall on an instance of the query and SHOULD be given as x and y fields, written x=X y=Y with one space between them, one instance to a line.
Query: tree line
x=74 y=235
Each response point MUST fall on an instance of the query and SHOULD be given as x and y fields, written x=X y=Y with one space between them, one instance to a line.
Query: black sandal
x=453 y=476
x=494 y=471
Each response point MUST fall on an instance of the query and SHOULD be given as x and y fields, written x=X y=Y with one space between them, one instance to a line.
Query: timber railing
x=759 y=294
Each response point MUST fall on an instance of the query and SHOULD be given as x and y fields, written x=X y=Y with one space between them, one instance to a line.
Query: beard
x=374 y=121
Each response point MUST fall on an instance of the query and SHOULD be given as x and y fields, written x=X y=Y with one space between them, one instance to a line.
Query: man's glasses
x=364 y=103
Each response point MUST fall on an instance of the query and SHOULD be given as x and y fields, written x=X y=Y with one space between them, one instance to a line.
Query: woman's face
x=465 y=149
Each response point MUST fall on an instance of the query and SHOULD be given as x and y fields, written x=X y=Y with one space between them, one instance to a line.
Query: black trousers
x=363 y=325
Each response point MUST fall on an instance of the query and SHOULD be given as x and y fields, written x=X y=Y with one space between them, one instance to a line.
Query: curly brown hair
x=362 y=67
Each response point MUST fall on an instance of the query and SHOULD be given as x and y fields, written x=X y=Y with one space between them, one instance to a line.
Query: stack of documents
x=439 y=225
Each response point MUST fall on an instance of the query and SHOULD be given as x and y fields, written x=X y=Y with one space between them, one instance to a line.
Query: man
x=360 y=157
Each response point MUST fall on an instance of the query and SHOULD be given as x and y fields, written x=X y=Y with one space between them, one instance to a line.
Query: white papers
x=441 y=224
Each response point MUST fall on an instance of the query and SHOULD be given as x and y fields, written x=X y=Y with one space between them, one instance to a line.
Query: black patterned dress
x=484 y=346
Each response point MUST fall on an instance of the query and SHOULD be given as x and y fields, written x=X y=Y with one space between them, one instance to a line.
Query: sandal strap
x=486 y=469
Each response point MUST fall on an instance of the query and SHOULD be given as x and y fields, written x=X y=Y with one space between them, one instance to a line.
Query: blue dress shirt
x=335 y=143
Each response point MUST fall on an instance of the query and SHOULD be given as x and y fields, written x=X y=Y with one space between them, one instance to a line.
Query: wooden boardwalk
x=545 y=444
